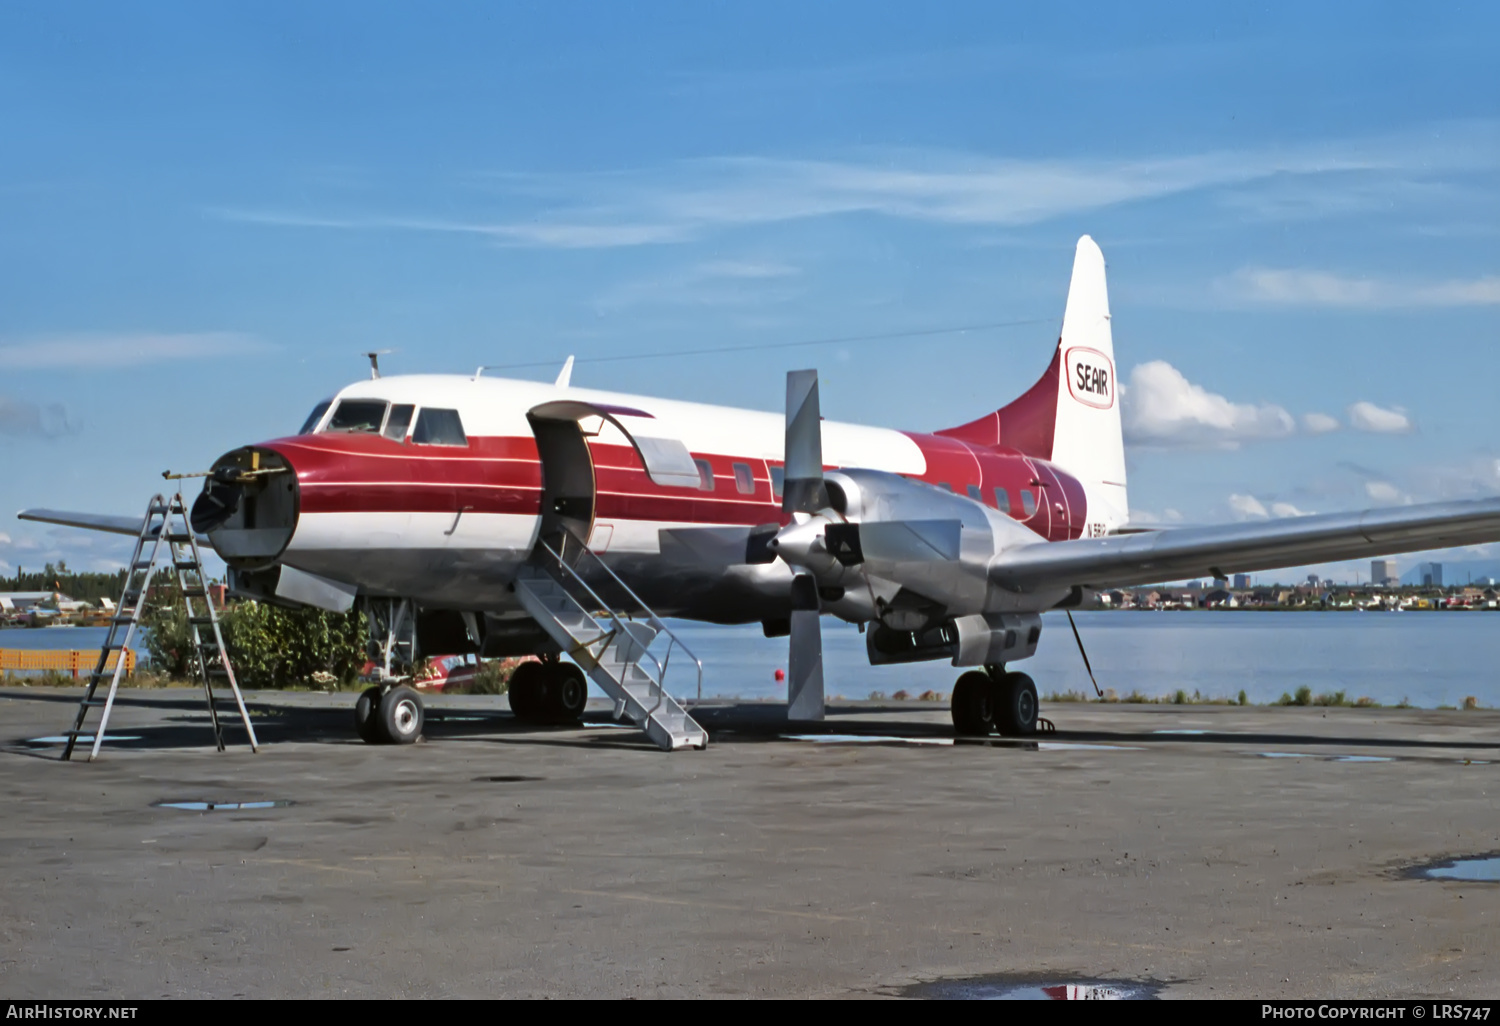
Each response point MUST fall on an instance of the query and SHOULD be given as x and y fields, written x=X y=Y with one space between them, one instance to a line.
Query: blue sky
x=207 y=212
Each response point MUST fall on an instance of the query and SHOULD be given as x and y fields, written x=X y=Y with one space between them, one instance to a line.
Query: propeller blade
x=805 y=655
x=803 y=490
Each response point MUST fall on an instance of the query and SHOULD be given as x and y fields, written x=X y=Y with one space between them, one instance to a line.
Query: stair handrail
x=654 y=621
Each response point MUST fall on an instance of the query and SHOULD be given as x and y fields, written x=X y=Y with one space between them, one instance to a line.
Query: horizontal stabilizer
x=1171 y=555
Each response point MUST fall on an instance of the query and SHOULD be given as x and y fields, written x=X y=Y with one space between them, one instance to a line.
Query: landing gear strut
x=992 y=699
x=548 y=692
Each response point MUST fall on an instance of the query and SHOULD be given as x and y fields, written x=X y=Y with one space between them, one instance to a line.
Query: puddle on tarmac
x=1473 y=869
x=204 y=806
x=866 y=739
x=1068 y=746
x=1034 y=988
x=507 y=778
x=61 y=739
x=1362 y=758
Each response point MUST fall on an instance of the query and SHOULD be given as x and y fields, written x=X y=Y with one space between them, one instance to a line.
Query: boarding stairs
x=166 y=521
x=623 y=646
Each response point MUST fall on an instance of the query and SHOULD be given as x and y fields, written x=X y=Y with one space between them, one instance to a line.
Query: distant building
x=1312 y=580
x=1431 y=575
x=1383 y=572
x=1241 y=581
x=1221 y=583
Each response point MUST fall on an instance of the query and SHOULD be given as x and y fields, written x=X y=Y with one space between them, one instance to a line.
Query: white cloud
x=1319 y=423
x=4 y=538
x=688 y=199
x=1146 y=517
x=1366 y=416
x=19 y=417
x=712 y=283
x=1385 y=492
x=1293 y=287
x=1247 y=507
x=1161 y=407
x=109 y=351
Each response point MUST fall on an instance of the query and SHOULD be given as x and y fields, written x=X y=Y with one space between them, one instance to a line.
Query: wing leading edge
x=1125 y=560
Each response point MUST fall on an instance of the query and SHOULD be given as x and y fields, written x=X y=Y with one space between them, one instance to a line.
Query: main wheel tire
x=567 y=693
x=367 y=718
x=401 y=715
x=1018 y=705
x=528 y=691
x=974 y=704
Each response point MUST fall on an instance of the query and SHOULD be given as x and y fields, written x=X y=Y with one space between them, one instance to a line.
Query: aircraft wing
x=92 y=522
x=1171 y=555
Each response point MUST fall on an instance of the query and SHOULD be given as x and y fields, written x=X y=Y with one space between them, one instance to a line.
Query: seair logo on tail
x=1091 y=377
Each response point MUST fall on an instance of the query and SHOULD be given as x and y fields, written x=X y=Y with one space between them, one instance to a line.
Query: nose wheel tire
x=401 y=715
x=367 y=718
x=1016 y=705
x=974 y=704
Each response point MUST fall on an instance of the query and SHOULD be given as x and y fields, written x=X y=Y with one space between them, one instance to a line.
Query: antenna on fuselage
x=375 y=363
x=565 y=375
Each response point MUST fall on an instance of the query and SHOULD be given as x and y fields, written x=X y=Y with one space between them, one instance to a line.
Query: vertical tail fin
x=1071 y=416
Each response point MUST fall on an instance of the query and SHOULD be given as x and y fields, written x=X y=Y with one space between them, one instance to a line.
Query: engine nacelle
x=921 y=553
x=978 y=640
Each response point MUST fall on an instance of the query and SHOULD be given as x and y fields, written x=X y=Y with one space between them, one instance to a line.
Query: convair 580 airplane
x=514 y=517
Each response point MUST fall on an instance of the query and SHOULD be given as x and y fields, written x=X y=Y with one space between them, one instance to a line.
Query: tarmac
x=1141 y=850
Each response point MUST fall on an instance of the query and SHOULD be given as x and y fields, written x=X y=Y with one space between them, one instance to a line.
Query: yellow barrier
x=60 y=660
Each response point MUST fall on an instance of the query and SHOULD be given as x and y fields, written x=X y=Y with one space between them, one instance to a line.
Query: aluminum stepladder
x=166 y=521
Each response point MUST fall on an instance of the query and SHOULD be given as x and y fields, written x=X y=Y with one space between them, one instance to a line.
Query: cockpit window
x=358 y=415
x=399 y=420
x=315 y=416
x=439 y=427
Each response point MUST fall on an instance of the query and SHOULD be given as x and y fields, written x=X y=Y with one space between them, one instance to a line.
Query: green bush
x=269 y=647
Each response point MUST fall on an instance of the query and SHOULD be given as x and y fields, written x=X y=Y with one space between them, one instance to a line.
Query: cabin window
x=976 y=493
x=1028 y=501
x=315 y=417
x=1002 y=500
x=744 y=480
x=439 y=427
x=778 y=482
x=358 y=416
x=399 y=420
x=705 y=475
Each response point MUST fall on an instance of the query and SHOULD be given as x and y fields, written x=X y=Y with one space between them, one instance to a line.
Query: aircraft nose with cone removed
x=249 y=507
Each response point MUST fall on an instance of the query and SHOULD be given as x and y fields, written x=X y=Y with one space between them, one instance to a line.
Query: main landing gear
x=389 y=715
x=548 y=692
x=991 y=699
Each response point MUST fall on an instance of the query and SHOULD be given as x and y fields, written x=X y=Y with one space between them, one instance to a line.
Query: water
x=1485 y=869
x=81 y=638
x=1430 y=659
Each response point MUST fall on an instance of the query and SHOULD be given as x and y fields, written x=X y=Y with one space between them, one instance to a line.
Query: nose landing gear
x=389 y=716
x=991 y=699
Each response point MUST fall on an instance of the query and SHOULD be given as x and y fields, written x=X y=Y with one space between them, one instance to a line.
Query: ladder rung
x=195 y=592
x=178 y=536
x=141 y=564
x=185 y=564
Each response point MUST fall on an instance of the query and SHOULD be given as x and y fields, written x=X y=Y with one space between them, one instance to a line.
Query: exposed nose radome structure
x=249 y=507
